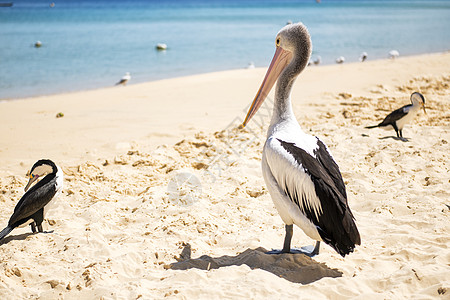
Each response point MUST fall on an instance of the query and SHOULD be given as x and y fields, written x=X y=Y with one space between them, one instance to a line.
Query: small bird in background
x=123 y=81
x=400 y=117
x=363 y=56
x=318 y=60
x=31 y=208
x=393 y=54
x=340 y=60
x=161 y=47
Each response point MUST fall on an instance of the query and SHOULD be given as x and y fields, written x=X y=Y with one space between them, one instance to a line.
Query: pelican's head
x=292 y=43
x=418 y=99
x=41 y=168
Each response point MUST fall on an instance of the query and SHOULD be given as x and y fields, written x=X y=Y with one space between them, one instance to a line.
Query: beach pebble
x=53 y=283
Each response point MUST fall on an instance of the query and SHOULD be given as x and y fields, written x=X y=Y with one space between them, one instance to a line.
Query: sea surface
x=87 y=44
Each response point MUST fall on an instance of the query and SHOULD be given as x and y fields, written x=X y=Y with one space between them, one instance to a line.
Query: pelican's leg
x=306 y=250
x=316 y=249
x=287 y=241
x=33 y=227
x=288 y=238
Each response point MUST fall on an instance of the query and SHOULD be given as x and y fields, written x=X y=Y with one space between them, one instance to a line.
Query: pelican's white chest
x=282 y=172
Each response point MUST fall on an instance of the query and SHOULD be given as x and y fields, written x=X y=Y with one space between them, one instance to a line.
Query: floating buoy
x=161 y=47
x=38 y=44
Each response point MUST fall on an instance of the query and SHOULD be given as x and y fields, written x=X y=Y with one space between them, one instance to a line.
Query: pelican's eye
x=278 y=42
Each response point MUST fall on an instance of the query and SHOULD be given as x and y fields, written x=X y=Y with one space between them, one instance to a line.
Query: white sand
x=117 y=229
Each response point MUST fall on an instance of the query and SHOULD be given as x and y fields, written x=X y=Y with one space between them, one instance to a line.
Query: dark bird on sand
x=31 y=208
x=400 y=117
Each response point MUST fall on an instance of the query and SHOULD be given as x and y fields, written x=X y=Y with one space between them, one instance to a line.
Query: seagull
x=318 y=60
x=251 y=65
x=123 y=81
x=399 y=117
x=302 y=177
x=363 y=56
x=393 y=54
x=161 y=47
x=340 y=60
x=31 y=208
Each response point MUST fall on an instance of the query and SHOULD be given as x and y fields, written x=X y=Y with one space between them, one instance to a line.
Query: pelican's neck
x=282 y=109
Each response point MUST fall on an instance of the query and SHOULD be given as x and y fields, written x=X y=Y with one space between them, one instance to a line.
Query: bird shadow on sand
x=297 y=268
x=395 y=138
x=19 y=237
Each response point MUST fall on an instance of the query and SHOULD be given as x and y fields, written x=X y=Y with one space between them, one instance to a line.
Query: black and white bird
x=32 y=206
x=400 y=117
x=303 y=180
x=124 y=80
x=318 y=60
x=363 y=57
x=340 y=60
x=393 y=54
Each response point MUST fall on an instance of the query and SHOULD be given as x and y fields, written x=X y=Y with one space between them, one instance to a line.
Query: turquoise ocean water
x=88 y=44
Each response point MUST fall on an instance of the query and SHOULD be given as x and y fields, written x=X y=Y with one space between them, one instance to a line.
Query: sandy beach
x=164 y=196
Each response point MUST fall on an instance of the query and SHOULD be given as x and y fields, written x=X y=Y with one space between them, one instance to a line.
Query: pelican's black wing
x=33 y=200
x=336 y=224
x=325 y=159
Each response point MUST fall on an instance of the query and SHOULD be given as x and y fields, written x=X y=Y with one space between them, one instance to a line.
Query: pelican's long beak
x=279 y=62
x=33 y=178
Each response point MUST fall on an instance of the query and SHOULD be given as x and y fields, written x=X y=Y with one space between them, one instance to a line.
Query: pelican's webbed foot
x=309 y=251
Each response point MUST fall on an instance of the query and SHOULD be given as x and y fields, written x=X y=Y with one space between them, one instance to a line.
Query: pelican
x=124 y=79
x=31 y=208
x=303 y=180
x=399 y=117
